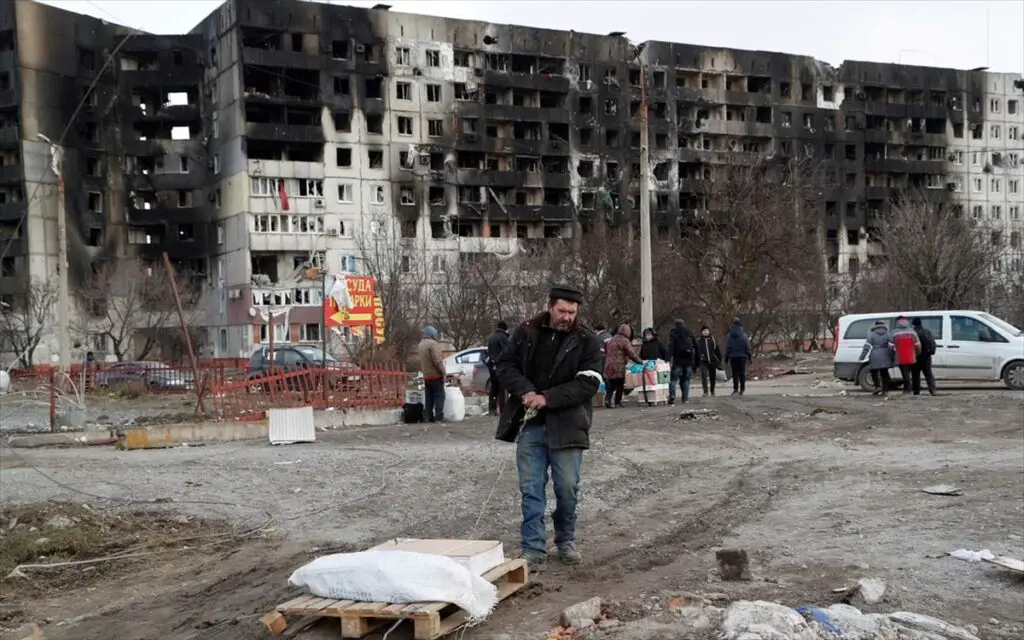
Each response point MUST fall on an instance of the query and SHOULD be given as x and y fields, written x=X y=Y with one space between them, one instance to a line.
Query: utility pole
x=63 y=290
x=646 y=285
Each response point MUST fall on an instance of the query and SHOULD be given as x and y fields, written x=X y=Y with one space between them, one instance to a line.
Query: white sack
x=398 y=577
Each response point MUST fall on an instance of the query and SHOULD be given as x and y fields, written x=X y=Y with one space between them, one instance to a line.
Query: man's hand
x=534 y=400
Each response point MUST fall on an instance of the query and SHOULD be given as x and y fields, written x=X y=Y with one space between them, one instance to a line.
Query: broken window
x=433 y=93
x=344 y=193
x=342 y=122
x=828 y=93
x=661 y=141
x=403 y=91
x=585 y=168
x=435 y=128
x=186 y=232
x=184 y=199
x=588 y=200
x=373 y=88
x=806 y=92
x=463 y=58
x=658 y=78
x=433 y=58
x=461 y=92
x=95 y=201
x=584 y=72
x=92 y=132
x=376 y=194
x=829 y=150
x=612 y=169
x=92 y=167
x=407 y=197
x=404 y=126
x=403 y=56
x=558 y=131
x=375 y=158
x=611 y=138
x=611 y=107
x=808 y=121
x=787 y=119
x=375 y=123
x=586 y=104
x=1011 y=107
x=339 y=49
x=851 y=152
x=662 y=170
x=784 y=90
x=586 y=136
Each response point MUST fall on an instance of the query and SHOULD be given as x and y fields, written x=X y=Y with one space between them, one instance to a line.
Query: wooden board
x=1007 y=562
x=430 y=620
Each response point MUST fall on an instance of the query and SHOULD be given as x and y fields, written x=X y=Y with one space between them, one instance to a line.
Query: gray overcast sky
x=947 y=34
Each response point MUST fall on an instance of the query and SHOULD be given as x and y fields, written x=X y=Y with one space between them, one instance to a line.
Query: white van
x=969 y=345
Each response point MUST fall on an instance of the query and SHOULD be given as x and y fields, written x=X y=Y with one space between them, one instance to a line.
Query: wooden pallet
x=430 y=620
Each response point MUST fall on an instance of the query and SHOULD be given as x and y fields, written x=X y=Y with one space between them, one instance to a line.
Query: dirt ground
x=821 y=487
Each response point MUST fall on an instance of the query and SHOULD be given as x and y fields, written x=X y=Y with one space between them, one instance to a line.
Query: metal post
x=323 y=334
x=646 y=285
x=63 y=292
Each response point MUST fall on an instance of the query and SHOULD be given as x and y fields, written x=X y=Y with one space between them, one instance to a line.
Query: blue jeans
x=533 y=458
x=682 y=377
x=433 y=400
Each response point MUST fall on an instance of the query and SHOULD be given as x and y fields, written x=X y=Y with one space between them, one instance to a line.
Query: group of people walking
x=910 y=346
x=685 y=352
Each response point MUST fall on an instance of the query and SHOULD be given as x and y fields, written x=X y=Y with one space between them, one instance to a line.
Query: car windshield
x=1002 y=324
x=315 y=355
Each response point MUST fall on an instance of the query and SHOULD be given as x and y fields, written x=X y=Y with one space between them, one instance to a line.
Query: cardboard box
x=479 y=556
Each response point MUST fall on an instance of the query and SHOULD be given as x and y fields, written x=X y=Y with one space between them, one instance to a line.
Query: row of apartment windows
x=995 y=212
x=284 y=223
x=308 y=332
x=978 y=185
x=291 y=187
x=996 y=159
x=1011 y=106
x=301 y=297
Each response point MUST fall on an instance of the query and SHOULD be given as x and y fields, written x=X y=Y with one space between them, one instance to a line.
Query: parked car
x=155 y=375
x=291 y=357
x=480 y=381
x=463 y=362
x=969 y=345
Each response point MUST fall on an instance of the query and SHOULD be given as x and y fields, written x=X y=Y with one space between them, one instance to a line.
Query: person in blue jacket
x=738 y=353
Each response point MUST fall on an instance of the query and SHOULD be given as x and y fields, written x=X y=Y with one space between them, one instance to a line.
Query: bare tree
x=399 y=272
x=465 y=308
x=23 y=324
x=742 y=255
x=131 y=304
x=930 y=257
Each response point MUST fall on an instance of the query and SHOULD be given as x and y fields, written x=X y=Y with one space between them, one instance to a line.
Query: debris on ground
x=870 y=590
x=943 y=490
x=733 y=564
x=972 y=556
x=586 y=610
x=698 y=414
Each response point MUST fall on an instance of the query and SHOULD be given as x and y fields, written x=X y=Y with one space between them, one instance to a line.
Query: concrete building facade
x=309 y=132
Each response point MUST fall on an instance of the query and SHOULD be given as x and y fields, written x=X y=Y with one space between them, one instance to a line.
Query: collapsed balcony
x=273 y=48
x=284 y=124
x=281 y=84
x=171 y=103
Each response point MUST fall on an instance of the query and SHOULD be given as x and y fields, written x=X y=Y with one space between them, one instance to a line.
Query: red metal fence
x=372 y=387
x=229 y=391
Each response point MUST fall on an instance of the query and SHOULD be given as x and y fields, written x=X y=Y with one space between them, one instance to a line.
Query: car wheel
x=864 y=379
x=1013 y=376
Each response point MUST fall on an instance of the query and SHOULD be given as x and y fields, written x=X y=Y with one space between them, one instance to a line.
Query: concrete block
x=733 y=563
x=586 y=610
x=172 y=435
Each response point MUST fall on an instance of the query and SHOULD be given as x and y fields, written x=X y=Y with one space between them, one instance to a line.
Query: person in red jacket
x=906 y=345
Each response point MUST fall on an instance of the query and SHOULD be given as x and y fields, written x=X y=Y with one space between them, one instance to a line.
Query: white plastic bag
x=454 y=405
x=398 y=577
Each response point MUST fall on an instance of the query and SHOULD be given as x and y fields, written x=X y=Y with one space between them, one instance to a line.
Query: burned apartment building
x=128 y=110
x=283 y=134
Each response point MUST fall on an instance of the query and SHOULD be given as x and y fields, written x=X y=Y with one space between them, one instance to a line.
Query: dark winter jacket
x=878 y=349
x=737 y=345
x=652 y=349
x=927 y=339
x=572 y=382
x=708 y=352
x=495 y=345
x=681 y=345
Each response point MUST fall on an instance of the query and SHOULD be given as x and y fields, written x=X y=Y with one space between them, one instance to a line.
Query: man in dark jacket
x=495 y=345
x=708 y=358
x=551 y=371
x=923 y=364
x=682 y=347
x=738 y=353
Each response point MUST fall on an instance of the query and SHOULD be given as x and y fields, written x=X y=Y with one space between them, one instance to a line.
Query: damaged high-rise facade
x=306 y=128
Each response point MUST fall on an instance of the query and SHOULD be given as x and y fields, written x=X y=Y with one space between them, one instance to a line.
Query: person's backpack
x=927 y=343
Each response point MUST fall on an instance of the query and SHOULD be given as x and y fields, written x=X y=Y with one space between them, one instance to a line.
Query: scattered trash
x=972 y=556
x=586 y=610
x=1007 y=562
x=733 y=563
x=943 y=490
x=871 y=590
x=698 y=414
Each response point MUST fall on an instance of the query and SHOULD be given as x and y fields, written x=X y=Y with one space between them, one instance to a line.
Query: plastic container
x=454 y=405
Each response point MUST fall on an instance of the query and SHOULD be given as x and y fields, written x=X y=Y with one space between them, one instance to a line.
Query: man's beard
x=564 y=325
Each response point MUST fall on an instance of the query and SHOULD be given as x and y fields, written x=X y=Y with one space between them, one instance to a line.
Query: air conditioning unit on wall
x=318 y=203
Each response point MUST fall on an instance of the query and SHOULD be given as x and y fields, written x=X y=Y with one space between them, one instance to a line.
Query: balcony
x=286 y=99
x=278 y=58
x=543 y=82
x=10 y=135
x=171 y=113
x=527 y=213
x=285 y=132
x=876 y=193
x=11 y=173
x=12 y=210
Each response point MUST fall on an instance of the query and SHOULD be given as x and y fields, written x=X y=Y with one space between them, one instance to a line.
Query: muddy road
x=820 y=489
